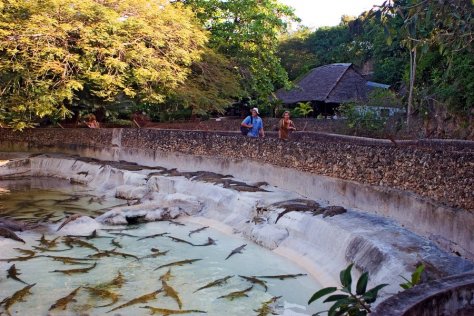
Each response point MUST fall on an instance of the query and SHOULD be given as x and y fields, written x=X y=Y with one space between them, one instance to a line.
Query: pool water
x=48 y=206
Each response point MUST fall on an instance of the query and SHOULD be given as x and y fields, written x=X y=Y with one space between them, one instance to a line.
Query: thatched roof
x=334 y=83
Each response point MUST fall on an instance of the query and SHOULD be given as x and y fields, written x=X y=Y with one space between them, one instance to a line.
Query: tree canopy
x=199 y=56
x=212 y=84
x=56 y=53
x=426 y=46
x=439 y=36
x=247 y=32
x=358 y=40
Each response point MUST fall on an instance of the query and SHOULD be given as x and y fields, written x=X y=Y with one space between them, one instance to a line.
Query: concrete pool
x=380 y=230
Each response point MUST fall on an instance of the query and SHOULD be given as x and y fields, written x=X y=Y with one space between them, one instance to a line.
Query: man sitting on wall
x=254 y=124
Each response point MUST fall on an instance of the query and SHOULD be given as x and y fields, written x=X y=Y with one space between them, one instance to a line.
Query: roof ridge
x=337 y=81
x=303 y=76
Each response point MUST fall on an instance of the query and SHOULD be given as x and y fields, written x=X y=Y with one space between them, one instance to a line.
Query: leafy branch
x=352 y=304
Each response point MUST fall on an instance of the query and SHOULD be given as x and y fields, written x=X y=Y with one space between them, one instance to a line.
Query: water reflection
x=49 y=200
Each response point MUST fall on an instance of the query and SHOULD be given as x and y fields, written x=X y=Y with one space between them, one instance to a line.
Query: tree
x=295 y=53
x=427 y=24
x=369 y=44
x=212 y=84
x=246 y=32
x=330 y=44
x=453 y=82
x=54 y=53
x=358 y=40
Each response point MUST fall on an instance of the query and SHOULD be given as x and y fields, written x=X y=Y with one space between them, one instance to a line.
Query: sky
x=316 y=13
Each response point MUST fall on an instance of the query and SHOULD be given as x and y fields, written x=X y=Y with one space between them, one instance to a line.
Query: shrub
x=303 y=109
x=362 y=118
x=383 y=97
x=352 y=304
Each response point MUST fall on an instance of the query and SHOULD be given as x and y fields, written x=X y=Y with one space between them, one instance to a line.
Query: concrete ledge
x=453 y=295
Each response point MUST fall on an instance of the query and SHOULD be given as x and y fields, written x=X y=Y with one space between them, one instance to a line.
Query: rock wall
x=441 y=171
x=453 y=295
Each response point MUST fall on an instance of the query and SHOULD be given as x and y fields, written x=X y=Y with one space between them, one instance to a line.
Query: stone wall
x=453 y=295
x=441 y=171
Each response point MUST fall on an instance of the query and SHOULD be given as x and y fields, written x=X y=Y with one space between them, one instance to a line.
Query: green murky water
x=45 y=202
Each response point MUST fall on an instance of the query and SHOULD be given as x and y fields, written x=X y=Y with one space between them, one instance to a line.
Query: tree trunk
x=412 y=85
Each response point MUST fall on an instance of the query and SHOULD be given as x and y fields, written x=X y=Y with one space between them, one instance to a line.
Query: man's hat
x=256 y=110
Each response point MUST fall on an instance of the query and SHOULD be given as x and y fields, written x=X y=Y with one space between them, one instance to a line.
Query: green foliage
x=247 y=31
x=330 y=44
x=56 y=54
x=389 y=58
x=415 y=278
x=277 y=106
x=358 y=40
x=349 y=303
x=361 y=118
x=296 y=53
x=303 y=109
x=383 y=97
x=423 y=45
x=453 y=82
x=211 y=86
x=325 y=291
x=177 y=114
x=435 y=33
